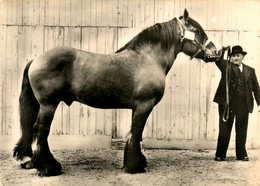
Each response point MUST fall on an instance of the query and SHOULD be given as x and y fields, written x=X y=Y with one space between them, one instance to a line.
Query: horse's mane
x=162 y=33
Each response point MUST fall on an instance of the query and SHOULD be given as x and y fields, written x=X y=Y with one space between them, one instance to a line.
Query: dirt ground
x=165 y=167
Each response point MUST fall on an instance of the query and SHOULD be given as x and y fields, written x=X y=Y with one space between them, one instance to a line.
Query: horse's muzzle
x=212 y=56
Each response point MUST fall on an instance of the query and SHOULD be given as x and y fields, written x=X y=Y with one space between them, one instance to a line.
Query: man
x=235 y=103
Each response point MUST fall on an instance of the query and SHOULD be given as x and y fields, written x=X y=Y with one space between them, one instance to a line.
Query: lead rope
x=225 y=116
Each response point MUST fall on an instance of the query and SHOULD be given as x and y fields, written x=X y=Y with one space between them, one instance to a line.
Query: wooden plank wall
x=30 y=27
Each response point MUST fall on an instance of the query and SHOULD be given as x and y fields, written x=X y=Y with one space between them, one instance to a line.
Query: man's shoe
x=219 y=159
x=243 y=159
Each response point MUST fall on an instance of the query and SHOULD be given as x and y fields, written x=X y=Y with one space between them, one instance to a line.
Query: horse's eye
x=191 y=28
x=194 y=29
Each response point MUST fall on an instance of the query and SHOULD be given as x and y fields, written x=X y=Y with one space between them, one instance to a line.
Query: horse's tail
x=29 y=108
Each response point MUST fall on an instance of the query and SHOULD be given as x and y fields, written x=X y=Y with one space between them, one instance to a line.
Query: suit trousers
x=239 y=113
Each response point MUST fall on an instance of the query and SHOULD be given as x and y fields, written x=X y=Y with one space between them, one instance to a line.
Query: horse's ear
x=185 y=15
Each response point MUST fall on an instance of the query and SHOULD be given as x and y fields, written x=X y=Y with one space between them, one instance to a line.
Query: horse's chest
x=149 y=84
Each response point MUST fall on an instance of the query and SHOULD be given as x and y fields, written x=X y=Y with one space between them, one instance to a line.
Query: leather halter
x=201 y=47
x=225 y=115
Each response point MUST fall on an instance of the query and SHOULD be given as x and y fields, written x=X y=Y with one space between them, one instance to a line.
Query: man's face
x=237 y=58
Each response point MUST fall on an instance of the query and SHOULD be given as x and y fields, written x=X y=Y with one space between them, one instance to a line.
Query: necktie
x=239 y=67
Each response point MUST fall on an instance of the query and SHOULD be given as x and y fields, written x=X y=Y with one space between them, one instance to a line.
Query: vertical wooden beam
x=3 y=77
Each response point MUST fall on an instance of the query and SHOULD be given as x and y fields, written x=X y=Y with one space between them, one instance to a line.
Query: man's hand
x=225 y=51
x=225 y=47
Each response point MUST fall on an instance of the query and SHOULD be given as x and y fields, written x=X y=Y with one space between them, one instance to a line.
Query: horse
x=131 y=78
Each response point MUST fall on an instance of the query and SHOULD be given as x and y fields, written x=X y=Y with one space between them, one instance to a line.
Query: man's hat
x=237 y=50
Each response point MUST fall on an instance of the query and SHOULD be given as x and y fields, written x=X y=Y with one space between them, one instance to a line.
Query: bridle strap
x=201 y=47
x=182 y=29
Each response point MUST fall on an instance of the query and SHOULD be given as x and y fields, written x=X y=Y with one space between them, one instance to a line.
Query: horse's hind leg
x=42 y=158
x=29 y=108
x=134 y=160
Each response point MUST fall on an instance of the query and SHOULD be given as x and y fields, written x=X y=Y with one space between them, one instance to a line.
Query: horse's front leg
x=134 y=160
x=42 y=158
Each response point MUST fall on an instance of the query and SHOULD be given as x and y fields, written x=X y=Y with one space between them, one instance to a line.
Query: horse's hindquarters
x=50 y=75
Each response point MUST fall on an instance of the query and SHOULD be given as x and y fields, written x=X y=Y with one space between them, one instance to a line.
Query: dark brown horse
x=133 y=78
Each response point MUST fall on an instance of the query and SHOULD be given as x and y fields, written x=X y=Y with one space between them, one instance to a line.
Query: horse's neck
x=163 y=57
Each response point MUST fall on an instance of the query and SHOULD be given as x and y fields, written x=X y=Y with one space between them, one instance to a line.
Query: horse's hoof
x=27 y=165
x=134 y=171
x=50 y=170
x=46 y=165
x=135 y=164
x=134 y=160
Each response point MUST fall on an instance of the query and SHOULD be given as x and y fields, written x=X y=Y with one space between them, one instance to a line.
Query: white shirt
x=241 y=67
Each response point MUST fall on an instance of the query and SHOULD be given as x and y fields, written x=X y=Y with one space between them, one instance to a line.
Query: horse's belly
x=98 y=100
x=107 y=95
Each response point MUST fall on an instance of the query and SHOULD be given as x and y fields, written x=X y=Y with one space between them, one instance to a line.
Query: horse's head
x=194 y=40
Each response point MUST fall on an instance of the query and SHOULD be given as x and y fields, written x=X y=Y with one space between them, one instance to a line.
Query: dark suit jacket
x=252 y=85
